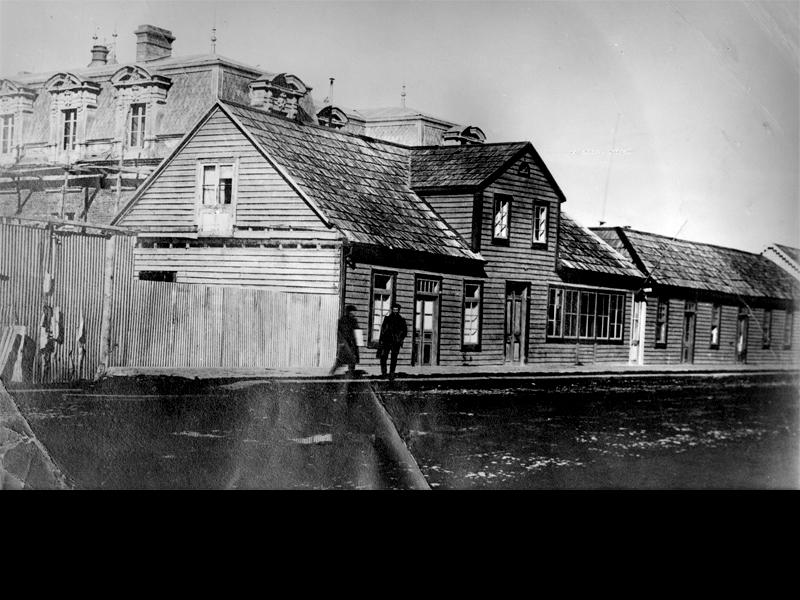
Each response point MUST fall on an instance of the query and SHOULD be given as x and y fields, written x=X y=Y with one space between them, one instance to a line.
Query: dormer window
x=6 y=133
x=137 y=125
x=502 y=219
x=539 y=236
x=70 y=128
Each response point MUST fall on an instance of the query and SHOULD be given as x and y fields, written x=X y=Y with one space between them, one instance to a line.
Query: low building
x=706 y=304
x=469 y=239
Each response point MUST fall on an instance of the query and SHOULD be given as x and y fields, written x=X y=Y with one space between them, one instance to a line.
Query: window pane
x=587 y=314
x=471 y=316
x=381 y=306
x=570 y=313
x=602 y=316
x=539 y=223
x=554 y=312
x=210 y=184
x=788 y=327
x=501 y=218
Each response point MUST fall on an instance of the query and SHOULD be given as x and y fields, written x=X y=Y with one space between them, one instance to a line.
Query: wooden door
x=516 y=326
x=425 y=347
x=687 y=343
x=636 y=353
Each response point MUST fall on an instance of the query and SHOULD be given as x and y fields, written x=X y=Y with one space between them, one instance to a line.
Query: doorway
x=687 y=343
x=636 y=353
x=425 y=349
x=516 y=327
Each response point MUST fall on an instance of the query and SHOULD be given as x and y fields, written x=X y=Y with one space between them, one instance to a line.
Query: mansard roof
x=702 y=267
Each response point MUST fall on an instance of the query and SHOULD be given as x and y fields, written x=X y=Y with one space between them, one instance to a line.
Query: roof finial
x=112 y=59
x=403 y=96
x=330 y=91
x=213 y=40
x=94 y=37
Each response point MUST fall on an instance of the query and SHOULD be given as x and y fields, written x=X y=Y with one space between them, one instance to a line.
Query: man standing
x=393 y=332
x=346 y=347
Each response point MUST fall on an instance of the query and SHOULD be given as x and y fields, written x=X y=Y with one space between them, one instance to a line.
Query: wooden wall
x=186 y=325
x=726 y=352
x=263 y=197
x=288 y=268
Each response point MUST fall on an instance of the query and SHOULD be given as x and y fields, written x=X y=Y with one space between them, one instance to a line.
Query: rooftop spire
x=213 y=40
x=112 y=59
x=403 y=96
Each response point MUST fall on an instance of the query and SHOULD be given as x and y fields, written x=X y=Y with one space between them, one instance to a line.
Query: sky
x=679 y=118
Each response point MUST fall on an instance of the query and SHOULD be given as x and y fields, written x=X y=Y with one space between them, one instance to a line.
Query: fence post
x=105 y=319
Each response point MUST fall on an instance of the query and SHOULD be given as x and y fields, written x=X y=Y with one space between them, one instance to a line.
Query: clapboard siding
x=726 y=352
x=456 y=210
x=263 y=197
x=288 y=269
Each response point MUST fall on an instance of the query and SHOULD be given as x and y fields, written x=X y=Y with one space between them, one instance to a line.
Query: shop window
x=788 y=327
x=766 y=329
x=381 y=300
x=662 y=316
x=585 y=314
x=716 y=321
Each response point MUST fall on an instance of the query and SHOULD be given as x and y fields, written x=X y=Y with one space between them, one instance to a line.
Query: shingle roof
x=467 y=166
x=694 y=265
x=581 y=250
x=358 y=183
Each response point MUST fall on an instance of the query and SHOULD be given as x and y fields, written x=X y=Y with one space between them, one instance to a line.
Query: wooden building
x=708 y=304
x=470 y=239
x=786 y=257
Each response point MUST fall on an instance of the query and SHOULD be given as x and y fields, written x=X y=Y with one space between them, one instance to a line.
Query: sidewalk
x=448 y=372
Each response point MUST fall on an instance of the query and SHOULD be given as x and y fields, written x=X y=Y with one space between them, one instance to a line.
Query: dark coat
x=346 y=348
x=393 y=331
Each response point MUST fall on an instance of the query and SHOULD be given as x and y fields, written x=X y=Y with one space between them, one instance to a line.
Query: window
x=766 y=329
x=6 y=133
x=70 y=128
x=662 y=315
x=539 y=224
x=137 y=123
x=471 y=337
x=788 y=326
x=382 y=299
x=158 y=276
x=585 y=314
x=502 y=219
x=716 y=320
x=217 y=184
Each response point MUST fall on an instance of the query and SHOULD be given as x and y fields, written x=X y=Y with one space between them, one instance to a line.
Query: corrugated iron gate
x=52 y=283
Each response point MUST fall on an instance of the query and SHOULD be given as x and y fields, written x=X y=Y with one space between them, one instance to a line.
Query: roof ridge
x=675 y=239
x=310 y=125
x=459 y=146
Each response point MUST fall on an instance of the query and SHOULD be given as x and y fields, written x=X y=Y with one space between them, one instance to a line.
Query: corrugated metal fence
x=56 y=278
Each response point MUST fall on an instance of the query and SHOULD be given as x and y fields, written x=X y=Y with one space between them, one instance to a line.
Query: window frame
x=218 y=164
x=392 y=298
x=73 y=138
x=498 y=198
x=540 y=243
x=471 y=347
x=712 y=345
x=142 y=124
x=658 y=342
x=788 y=327
x=7 y=123
x=162 y=276
x=565 y=320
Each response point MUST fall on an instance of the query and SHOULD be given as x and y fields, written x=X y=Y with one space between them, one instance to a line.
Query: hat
x=350 y=307
x=397 y=305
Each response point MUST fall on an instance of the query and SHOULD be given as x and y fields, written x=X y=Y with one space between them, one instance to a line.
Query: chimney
x=99 y=54
x=153 y=42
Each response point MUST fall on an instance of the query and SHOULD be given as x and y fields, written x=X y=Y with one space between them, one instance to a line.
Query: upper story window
x=70 y=129
x=136 y=126
x=6 y=133
x=381 y=303
x=217 y=184
x=585 y=314
x=716 y=321
x=662 y=315
x=501 y=224
x=539 y=235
